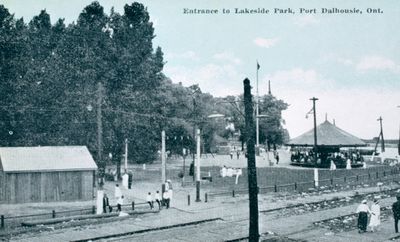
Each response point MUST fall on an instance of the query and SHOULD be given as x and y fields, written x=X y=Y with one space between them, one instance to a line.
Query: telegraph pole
x=315 y=128
x=126 y=156
x=398 y=144
x=251 y=164
x=198 y=175
x=100 y=132
x=194 y=134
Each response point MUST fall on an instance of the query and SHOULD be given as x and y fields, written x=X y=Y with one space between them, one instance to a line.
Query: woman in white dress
x=348 y=164
x=375 y=220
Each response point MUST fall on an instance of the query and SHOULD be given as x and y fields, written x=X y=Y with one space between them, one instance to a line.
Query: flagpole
x=257 y=113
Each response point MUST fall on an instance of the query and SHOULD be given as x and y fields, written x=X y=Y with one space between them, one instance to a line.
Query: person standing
x=362 y=211
x=348 y=164
x=238 y=154
x=120 y=202
x=231 y=154
x=106 y=203
x=375 y=220
x=157 y=197
x=166 y=198
x=149 y=200
x=117 y=192
x=396 y=213
x=169 y=197
x=277 y=157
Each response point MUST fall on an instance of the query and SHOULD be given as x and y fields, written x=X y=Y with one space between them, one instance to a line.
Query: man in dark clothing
x=396 y=213
x=277 y=157
x=363 y=211
x=105 y=203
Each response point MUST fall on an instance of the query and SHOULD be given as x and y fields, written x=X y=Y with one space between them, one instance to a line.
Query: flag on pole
x=258 y=66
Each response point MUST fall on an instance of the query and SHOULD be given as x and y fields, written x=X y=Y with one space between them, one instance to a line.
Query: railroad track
x=279 y=212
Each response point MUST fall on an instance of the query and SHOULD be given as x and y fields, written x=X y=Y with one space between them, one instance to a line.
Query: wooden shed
x=46 y=174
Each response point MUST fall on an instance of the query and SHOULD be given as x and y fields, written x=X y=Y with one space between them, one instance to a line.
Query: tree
x=271 y=130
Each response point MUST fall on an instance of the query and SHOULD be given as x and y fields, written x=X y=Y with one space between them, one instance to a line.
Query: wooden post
x=163 y=175
x=295 y=186
x=233 y=193
x=198 y=175
x=133 y=205
x=53 y=213
x=188 y=199
x=100 y=132
x=2 y=222
x=205 y=197
x=251 y=163
x=275 y=188
x=93 y=209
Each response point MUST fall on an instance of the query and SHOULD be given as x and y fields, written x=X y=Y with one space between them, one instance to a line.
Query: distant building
x=46 y=174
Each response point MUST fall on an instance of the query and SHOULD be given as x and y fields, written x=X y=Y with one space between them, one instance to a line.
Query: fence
x=13 y=221
x=353 y=180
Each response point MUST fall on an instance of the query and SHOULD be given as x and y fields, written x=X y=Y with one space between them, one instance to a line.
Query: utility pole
x=198 y=175
x=183 y=156
x=251 y=164
x=398 y=144
x=381 y=135
x=269 y=87
x=194 y=133
x=163 y=176
x=100 y=131
x=315 y=128
x=126 y=156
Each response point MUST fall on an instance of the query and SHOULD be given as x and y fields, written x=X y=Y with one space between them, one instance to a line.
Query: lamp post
x=315 y=128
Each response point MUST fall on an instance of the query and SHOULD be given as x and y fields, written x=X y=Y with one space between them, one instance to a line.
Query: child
x=120 y=202
x=157 y=197
x=149 y=200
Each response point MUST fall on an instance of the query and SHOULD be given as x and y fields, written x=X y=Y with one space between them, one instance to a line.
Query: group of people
x=375 y=212
x=237 y=154
x=150 y=200
x=166 y=197
x=118 y=196
x=164 y=201
x=364 y=211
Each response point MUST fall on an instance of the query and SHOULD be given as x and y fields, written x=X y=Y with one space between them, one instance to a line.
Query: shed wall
x=46 y=186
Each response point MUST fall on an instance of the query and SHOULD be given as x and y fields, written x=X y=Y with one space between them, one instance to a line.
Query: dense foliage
x=52 y=77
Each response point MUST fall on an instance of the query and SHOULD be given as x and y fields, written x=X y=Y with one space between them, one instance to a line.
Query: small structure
x=330 y=140
x=46 y=174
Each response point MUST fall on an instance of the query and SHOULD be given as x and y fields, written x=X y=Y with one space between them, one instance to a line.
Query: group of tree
x=53 y=75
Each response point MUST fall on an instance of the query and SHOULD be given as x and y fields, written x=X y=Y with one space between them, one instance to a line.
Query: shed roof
x=46 y=158
x=328 y=135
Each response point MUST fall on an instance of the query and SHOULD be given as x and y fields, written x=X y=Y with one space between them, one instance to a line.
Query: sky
x=349 y=61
